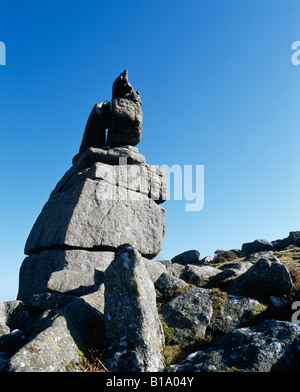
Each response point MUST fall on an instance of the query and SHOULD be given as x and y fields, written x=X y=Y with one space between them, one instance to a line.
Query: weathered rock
x=229 y=270
x=47 y=301
x=238 y=267
x=95 y=299
x=207 y=260
x=256 y=246
x=87 y=267
x=96 y=215
x=127 y=115
x=15 y=315
x=126 y=127
x=108 y=155
x=260 y=255
x=11 y=342
x=189 y=314
x=154 y=268
x=188 y=257
x=169 y=285
x=263 y=279
x=57 y=340
x=71 y=282
x=236 y=312
x=166 y=263
x=123 y=89
x=284 y=243
x=200 y=274
x=95 y=130
x=85 y=160
x=267 y=347
x=4 y=329
x=133 y=330
x=147 y=179
x=177 y=270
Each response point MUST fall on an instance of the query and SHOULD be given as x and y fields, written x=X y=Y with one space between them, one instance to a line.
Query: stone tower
x=109 y=197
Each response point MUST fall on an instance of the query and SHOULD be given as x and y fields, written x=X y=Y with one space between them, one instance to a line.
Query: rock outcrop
x=89 y=284
x=110 y=196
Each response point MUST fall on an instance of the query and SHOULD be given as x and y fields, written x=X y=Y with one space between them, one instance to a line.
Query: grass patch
x=219 y=299
x=178 y=352
x=224 y=256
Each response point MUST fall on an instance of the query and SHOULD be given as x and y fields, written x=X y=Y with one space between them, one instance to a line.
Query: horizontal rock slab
x=266 y=347
x=89 y=215
x=106 y=155
x=109 y=155
x=147 y=179
x=54 y=265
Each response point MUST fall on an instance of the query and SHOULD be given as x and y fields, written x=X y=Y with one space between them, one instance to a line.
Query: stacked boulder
x=109 y=197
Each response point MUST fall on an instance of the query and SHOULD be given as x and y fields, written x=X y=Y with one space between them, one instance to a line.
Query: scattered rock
x=189 y=314
x=238 y=267
x=263 y=279
x=57 y=340
x=229 y=270
x=200 y=274
x=256 y=246
x=207 y=260
x=267 y=347
x=236 y=312
x=177 y=270
x=188 y=257
x=260 y=255
x=168 y=285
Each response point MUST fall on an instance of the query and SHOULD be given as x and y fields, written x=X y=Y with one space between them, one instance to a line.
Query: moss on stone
x=168 y=332
x=219 y=299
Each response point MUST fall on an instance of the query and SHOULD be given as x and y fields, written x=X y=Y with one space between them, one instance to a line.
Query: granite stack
x=109 y=197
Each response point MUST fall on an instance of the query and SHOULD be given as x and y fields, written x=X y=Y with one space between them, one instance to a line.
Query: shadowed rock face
x=95 y=131
x=122 y=117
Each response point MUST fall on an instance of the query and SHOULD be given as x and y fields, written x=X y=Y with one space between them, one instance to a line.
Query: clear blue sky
x=218 y=89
